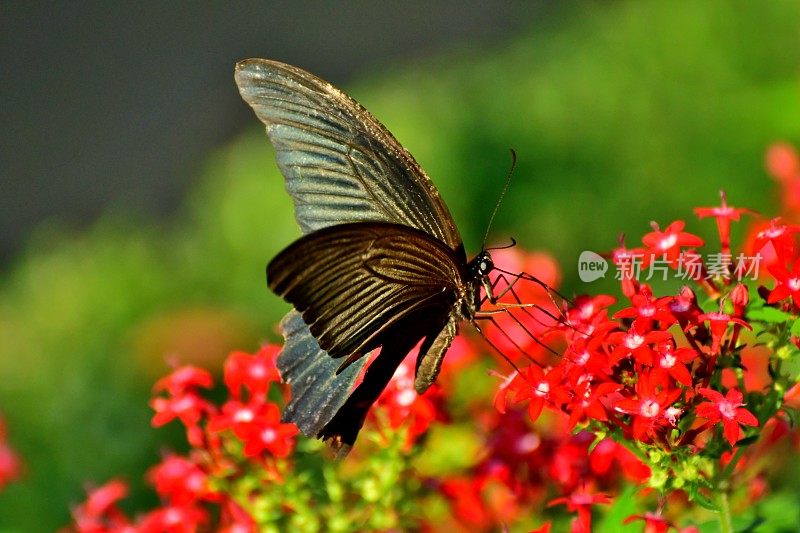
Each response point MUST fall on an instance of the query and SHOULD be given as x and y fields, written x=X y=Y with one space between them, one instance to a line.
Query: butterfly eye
x=484 y=264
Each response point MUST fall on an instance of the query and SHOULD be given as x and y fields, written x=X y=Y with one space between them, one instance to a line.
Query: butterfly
x=380 y=265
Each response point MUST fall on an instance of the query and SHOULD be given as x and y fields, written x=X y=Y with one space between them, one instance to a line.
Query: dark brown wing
x=351 y=282
x=340 y=164
x=318 y=391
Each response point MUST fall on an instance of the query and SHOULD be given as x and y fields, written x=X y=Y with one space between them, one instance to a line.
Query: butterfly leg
x=489 y=287
x=524 y=307
x=488 y=315
x=491 y=344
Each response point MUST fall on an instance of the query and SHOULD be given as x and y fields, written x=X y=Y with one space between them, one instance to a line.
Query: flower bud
x=740 y=297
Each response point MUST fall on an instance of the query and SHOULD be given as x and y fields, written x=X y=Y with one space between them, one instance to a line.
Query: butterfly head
x=481 y=266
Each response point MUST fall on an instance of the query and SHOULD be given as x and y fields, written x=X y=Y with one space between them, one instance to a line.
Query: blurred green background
x=620 y=112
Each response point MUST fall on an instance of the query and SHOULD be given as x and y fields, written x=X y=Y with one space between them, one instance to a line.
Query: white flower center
x=406 y=397
x=542 y=388
x=173 y=516
x=793 y=284
x=582 y=359
x=728 y=410
x=269 y=435
x=773 y=233
x=633 y=340
x=668 y=241
x=672 y=414
x=528 y=442
x=668 y=360
x=244 y=415
x=649 y=408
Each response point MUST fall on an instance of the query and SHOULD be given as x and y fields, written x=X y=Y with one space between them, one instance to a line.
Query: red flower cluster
x=672 y=392
x=523 y=465
x=191 y=501
x=652 y=373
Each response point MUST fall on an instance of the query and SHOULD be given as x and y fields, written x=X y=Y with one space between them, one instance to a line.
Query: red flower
x=568 y=463
x=253 y=372
x=650 y=407
x=533 y=384
x=99 y=513
x=724 y=214
x=586 y=355
x=182 y=401
x=234 y=519
x=183 y=379
x=792 y=396
x=740 y=297
x=500 y=400
x=405 y=406
x=179 y=480
x=174 y=519
x=10 y=463
x=464 y=495
x=589 y=401
x=653 y=522
x=788 y=283
x=782 y=162
x=237 y=417
x=267 y=433
x=780 y=236
x=674 y=362
x=628 y=261
x=647 y=309
x=189 y=408
x=581 y=501
x=586 y=311
x=684 y=307
x=728 y=409
x=784 y=165
x=636 y=343
x=668 y=243
x=718 y=324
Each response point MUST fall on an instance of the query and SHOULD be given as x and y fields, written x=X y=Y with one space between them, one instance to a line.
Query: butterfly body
x=380 y=264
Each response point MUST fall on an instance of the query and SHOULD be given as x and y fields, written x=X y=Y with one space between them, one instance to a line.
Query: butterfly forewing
x=351 y=282
x=340 y=164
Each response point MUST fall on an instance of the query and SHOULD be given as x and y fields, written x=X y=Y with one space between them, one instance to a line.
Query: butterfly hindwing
x=351 y=282
x=318 y=391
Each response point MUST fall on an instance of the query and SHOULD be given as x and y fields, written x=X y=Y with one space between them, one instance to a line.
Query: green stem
x=732 y=464
x=635 y=450
x=724 y=509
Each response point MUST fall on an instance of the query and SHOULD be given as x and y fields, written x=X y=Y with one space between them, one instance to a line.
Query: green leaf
x=770 y=314
x=624 y=505
x=698 y=497
x=747 y=440
x=796 y=328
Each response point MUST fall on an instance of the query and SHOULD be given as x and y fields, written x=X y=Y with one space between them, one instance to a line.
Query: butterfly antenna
x=504 y=247
x=502 y=194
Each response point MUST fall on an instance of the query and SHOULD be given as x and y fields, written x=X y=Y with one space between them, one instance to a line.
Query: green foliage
x=325 y=495
x=619 y=112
